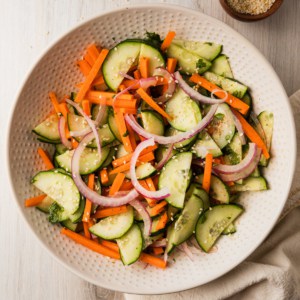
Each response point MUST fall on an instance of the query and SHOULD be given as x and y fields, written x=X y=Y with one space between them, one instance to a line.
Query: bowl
x=247 y=17
x=55 y=70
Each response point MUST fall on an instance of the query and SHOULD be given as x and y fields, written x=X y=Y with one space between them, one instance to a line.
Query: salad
x=152 y=151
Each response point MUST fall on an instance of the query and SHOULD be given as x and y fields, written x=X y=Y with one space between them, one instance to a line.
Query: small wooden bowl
x=247 y=17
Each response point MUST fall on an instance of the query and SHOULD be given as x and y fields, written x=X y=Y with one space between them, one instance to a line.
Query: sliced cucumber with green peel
x=110 y=157
x=152 y=122
x=205 y=144
x=76 y=217
x=184 y=111
x=188 y=62
x=213 y=222
x=60 y=187
x=250 y=184
x=143 y=171
x=233 y=151
x=121 y=151
x=45 y=204
x=186 y=143
x=155 y=222
x=89 y=160
x=60 y=148
x=70 y=225
x=48 y=130
x=255 y=173
x=44 y=140
x=131 y=245
x=114 y=227
x=159 y=153
x=195 y=189
x=175 y=176
x=221 y=66
x=113 y=126
x=230 y=229
x=172 y=212
x=206 y=50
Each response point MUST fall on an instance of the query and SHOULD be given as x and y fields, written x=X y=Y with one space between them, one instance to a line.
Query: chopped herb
x=154 y=39
x=200 y=63
x=219 y=116
x=55 y=211
x=126 y=133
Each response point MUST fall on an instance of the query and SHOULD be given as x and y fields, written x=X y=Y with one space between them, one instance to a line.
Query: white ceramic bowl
x=56 y=71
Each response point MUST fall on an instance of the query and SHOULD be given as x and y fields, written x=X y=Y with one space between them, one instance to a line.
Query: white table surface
x=27 y=27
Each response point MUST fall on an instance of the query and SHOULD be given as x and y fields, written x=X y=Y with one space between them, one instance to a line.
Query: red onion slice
x=240 y=129
x=185 y=248
x=171 y=85
x=197 y=96
x=147 y=82
x=165 y=157
x=161 y=243
x=126 y=75
x=141 y=209
x=89 y=121
x=175 y=138
x=157 y=195
x=81 y=132
x=62 y=133
x=85 y=190
x=100 y=114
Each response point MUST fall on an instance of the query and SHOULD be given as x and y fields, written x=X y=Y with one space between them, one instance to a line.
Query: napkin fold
x=273 y=270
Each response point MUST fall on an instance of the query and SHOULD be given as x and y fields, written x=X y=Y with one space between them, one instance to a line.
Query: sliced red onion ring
x=126 y=75
x=141 y=209
x=166 y=255
x=62 y=133
x=147 y=82
x=81 y=132
x=85 y=190
x=240 y=129
x=161 y=243
x=185 y=248
x=157 y=195
x=100 y=114
x=171 y=85
x=175 y=138
x=258 y=126
x=89 y=121
x=165 y=157
x=197 y=96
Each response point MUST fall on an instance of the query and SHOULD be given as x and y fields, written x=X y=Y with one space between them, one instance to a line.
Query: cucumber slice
x=110 y=157
x=188 y=62
x=213 y=222
x=159 y=153
x=45 y=204
x=44 y=140
x=195 y=189
x=221 y=66
x=118 y=61
x=248 y=100
x=76 y=217
x=60 y=148
x=250 y=184
x=175 y=176
x=154 y=230
x=230 y=229
x=172 y=212
x=89 y=160
x=218 y=189
x=143 y=171
x=121 y=151
x=95 y=110
x=172 y=131
x=234 y=151
x=152 y=122
x=207 y=50
x=256 y=173
x=60 y=187
x=114 y=227
x=70 y=225
x=155 y=58
x=48 y=129
x=186 y=223
x=205 y=144
x=231 y=86
x=222 y=127
x=131 y=245
x=184 y=111
x=113 y=126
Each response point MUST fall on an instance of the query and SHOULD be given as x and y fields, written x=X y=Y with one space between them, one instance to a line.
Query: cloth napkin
x=273 y=270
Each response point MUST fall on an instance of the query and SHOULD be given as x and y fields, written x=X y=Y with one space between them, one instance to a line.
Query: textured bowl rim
x=292 y=153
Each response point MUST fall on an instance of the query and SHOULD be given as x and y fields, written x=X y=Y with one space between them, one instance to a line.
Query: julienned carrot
x=104 y=176
x=90 y=244
x=97 y=81
x=86 y=107
x=122 y=87
x=106 y=212
x=158 y=208
x=34 y=200
x=162 y=221
x=91 y=76
x=88 y=204
x=157 y=250
x=125 y=159
x=144 y=67
x=44 y=156
x=168 y=40
x=115 y=187
x=89 y=59
x=119 y=103
x=131 y=111
x=155 y=180
x=84 y=67
x=64 y=109
x=54 y=101
x=207 y=172
x=86 y=231
x=126 y=186
x=231 y=100
x=74 y=143
x=252 y=134
x=93 y=52
x=110 y=245
x=151 y=202
x=131 y=137
x=108 y=95
x=151 y=187
x=171 y=64
x=152 y=103
x=137 y=74
x=142 y=159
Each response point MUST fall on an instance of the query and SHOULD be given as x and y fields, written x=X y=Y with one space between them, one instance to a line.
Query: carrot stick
x=157 y=250
x=252 y=134
x=207 y=172
x=151 y=187
x=142 y=159
x=116 y=184
x=86 y=107
x=44 y=156
x=64 y=110
x=111 y=211
x=122 y=87
x=110 y=245
x=87 y=57
x=126 y=186
x=34 y=200
x=88 y=204
x=119 y=117
x=84 y=67
x=144 y=67
x=137 y=74
x=54 y=101
x=158 y=208
x=91 y=76
x=168 y=40
x=74 y=143
x=93 y=53
x=86 y=231
x=152 y=103
x=151 y=202
x=104 y=176
x=152 y=260
x=126 y=158
x=231 y=100
x=162 y=221
x=119 y=103
x=97 y=81
x=90 y=244
x=108 y=95
x=171 y=64
x=131 y=137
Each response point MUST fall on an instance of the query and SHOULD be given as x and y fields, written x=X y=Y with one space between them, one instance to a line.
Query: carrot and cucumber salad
x=152 y=150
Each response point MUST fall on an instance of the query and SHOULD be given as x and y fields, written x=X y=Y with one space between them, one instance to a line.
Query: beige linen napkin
x=273 y=270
